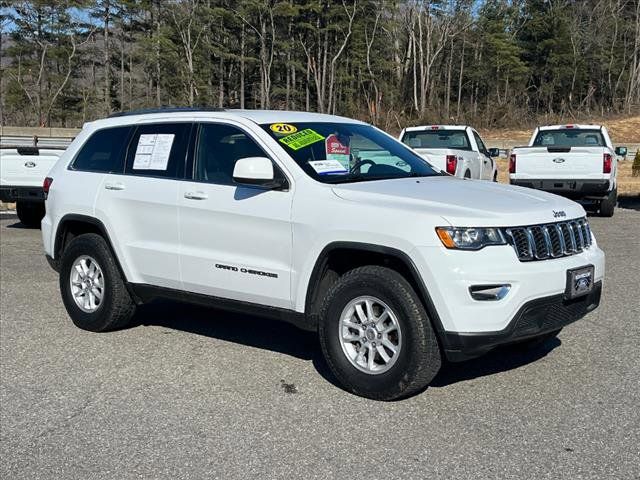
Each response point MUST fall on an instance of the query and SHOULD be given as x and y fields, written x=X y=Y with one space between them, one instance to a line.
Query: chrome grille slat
x=551 y=240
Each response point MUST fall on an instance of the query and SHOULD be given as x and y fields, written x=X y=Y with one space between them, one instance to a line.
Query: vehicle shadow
x=19 y=225
x=499 y=360
x=287 y=339
x=631 y=202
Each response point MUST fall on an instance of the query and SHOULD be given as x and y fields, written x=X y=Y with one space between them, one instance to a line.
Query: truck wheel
x=376 y=335
x=467 y=174
x=30 y=213
x=92 y=288
x=608 y=205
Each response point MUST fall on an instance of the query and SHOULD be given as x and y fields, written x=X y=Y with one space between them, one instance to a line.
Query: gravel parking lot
x=197 y=393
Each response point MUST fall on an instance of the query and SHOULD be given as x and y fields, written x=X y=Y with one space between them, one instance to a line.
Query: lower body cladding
x=488 y=297
x=571 y=188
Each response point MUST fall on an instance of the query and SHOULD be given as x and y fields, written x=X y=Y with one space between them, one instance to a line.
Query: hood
x=465 y=202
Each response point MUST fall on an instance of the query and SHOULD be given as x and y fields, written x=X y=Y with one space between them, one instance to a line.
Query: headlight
x=469 y=238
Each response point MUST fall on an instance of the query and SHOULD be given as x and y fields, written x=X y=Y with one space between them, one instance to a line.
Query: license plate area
x=579 y=282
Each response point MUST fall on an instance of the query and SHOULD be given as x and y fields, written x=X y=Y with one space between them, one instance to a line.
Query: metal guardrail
x=16 y=141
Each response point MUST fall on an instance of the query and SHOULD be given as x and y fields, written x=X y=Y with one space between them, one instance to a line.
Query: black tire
x=608 y=205
x=30 y=213
x=495 y=177
x=116 y=308
x=535 y=342
x=419 y=358
x=467 y=174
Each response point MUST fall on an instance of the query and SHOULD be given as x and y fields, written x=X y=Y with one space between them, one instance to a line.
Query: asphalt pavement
x=190 y=392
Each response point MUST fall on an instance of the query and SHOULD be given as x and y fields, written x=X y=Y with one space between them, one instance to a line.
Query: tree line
x=490 y=63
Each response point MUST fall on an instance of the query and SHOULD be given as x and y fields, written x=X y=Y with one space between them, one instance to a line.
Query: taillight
x=452 y=164
x=606 y=163
x=46 y=185
x=512 y=163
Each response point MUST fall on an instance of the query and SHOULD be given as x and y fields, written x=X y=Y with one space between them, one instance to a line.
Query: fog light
x=489 y=292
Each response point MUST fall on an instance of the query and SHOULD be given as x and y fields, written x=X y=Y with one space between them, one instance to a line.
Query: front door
x=235 y=240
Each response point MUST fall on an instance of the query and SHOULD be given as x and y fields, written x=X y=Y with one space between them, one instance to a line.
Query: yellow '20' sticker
x=283 y=128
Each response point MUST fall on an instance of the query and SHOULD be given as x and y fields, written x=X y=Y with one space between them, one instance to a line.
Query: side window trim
x=194 y=154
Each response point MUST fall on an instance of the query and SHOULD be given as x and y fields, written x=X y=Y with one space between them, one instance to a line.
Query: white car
x=319 y=220
x=23 y=169
x=576 y=161
x=455 y=149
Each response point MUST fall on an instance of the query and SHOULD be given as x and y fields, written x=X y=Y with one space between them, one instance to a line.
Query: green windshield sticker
x=301 y=139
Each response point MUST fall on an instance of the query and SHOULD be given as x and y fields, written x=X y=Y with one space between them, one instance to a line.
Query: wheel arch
x=357 y=252
x=72 y=225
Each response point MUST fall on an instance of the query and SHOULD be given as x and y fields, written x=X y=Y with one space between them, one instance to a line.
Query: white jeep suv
x=318 y=220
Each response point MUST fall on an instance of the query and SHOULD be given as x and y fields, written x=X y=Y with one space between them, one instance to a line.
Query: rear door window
x=159 y=150
x=104 y=151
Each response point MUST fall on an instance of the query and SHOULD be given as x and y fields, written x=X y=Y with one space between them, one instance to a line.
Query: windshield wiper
x=353 y=178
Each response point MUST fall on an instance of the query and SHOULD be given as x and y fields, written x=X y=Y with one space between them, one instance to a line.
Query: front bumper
x=567 y=187
x=448 y=276
x=535 y=318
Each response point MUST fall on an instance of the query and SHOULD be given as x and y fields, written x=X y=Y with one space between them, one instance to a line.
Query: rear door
x=140 y=206
x=235 y=240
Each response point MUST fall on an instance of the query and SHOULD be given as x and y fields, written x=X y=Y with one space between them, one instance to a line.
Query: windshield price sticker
x=302 y=139
x=328 y=167
x=283 y=128
x=337 y=151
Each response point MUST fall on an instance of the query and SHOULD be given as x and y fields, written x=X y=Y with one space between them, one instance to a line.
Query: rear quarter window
x=104 y=151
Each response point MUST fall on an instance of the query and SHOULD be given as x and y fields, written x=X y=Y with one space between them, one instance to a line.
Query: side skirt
x=144 y=293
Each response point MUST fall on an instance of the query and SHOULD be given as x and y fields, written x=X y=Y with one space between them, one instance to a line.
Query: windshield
x=347 y=152
x=437 y=139
x=569 y=138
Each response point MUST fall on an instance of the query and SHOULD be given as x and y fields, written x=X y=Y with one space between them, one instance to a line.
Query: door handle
x=196 y=195
x=114 y=186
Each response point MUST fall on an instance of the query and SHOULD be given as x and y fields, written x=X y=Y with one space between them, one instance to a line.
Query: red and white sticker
x=337 y=151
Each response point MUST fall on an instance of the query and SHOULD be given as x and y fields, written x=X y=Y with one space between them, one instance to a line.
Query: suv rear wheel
x=92 y=288
x=376 y=336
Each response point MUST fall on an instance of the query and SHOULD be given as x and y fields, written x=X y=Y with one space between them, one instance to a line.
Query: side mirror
x=255 y=171
x=494 y=152
x=621 y=151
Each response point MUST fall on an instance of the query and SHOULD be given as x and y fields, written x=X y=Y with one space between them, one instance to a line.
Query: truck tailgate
x=26 y=166
x=436 y=156
x=558 y=163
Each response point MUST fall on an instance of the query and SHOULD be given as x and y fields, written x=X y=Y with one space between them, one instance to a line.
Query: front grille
x=550 y=240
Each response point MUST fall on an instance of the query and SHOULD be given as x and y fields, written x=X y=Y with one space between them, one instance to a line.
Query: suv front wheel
x=92 y=288
x=376 y=336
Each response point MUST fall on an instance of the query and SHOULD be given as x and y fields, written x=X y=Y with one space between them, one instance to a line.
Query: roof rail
x=144 y=111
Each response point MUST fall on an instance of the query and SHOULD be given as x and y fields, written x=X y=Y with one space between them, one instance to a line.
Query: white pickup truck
x=455 y=149
x=576 y=161
x=23 y=168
